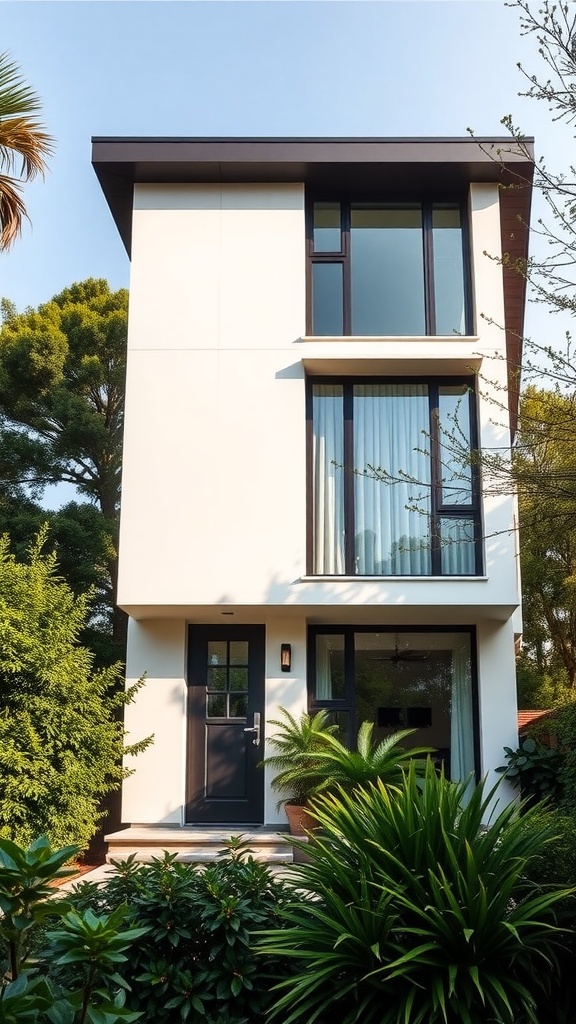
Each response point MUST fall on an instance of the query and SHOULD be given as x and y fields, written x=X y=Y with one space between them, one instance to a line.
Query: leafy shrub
x=420 y=915
x=195 y=960
x=534 y=767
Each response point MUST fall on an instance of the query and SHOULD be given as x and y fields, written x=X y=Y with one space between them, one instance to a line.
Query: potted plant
x=296 y=745
x=338 y=767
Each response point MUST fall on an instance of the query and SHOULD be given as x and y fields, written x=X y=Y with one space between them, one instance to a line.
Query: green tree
x=62 y=380
x=24 y=146
x=60 y=736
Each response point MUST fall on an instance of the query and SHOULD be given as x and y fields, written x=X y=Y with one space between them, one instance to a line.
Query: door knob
x=255 y=729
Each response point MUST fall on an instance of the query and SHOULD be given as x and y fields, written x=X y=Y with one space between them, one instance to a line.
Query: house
x=320 y=335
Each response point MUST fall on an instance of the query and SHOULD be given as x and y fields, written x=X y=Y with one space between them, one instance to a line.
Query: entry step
x=199 y=845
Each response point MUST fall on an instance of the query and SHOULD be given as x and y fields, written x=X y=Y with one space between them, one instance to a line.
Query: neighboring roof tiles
x=526 y=718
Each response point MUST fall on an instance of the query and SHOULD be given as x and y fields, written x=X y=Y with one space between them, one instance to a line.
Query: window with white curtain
x=397 y=679
x=394 y=488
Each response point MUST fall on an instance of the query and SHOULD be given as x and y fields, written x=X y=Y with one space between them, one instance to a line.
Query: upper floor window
x=387 y=269
x=394 y=490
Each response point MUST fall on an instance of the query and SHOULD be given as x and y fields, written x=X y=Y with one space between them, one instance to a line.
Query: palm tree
x=24 y=146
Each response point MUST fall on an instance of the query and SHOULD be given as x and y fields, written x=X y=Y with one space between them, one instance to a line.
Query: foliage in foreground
x=60 y=738
x=419 y=913
x=195 y=961
x=94 y=944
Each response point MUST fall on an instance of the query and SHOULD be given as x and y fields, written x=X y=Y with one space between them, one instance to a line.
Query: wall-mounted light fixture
x=286 y=657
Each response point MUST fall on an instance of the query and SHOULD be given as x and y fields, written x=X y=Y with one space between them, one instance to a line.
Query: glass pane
x=387 y=268
x=217 y=678
x=448 y=270
x=327 y=236
x=327 y=299
x=455 y=446
x=457 y=547
x=238 y=678
x=238 y=705
x=330 y=683
x=328 y=478
x=216 y=705
x=342 y=720
x=392 y=514
x=238 y=652
x=217 y=652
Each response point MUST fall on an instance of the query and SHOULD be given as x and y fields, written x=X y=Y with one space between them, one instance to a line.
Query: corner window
x=400 y=679
x=387 y=269
x=393 y=486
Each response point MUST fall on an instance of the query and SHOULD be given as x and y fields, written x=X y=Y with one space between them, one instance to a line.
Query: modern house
x=321 y=336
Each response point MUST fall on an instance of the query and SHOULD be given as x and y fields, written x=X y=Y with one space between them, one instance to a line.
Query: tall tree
x=24 y=147
x=62 y=380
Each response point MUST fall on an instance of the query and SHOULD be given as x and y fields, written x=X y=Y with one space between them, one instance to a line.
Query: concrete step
x=197 y=845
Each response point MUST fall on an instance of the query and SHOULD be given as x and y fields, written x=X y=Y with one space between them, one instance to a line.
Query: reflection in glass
x=217 y=678
x=455 y=444
x=216 y=705
x=330 y=683
x=387 y=268
x=327 y=236
x=238 y=705
x=217 y=652
x=238 y=678
x=238 y=652
x=327 y=299
x=342 y=720
x=448 y=270
x=457 y=547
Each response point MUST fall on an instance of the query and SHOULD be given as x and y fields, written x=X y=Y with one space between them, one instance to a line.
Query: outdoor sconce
x=286 y=657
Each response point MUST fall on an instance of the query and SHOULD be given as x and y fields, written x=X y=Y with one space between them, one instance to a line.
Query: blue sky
x=315 y=67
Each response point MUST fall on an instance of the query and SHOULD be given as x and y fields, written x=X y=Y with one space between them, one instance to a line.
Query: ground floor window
x=397 y=679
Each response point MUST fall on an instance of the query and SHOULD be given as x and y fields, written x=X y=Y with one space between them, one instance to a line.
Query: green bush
x=195 y=961
x=535 y=768
x=419 y=914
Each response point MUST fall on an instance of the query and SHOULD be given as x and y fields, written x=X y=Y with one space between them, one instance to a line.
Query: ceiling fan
x=402 y=654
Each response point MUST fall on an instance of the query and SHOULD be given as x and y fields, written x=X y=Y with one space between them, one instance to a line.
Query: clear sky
x=298 y=67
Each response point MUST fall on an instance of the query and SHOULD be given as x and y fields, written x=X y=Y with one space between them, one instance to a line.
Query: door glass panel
x=238 y=652
x=238 y=678
x=330 y=684
x=387 y=269
x=455 y=444
x=217 y=652
x=216 y=705
x=217 y=678
x=327 y=299
x=238 y=705
x=327 y=236
x=448 y=270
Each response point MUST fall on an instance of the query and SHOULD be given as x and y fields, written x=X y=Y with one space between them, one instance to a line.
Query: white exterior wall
x=214 y=478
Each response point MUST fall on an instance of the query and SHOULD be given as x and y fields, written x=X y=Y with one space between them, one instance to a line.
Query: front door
x=225 y=724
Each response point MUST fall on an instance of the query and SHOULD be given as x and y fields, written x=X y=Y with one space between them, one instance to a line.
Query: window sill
x=394 y=338
x=398 y=579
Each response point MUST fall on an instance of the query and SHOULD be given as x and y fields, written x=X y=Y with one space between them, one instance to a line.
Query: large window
x=387 y=269
x=393 y=486
x=400 y=679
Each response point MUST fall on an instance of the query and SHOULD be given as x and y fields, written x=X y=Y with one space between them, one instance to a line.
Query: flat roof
x=358 y=165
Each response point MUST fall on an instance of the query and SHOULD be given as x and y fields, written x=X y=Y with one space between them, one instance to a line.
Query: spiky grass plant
x=418 y=914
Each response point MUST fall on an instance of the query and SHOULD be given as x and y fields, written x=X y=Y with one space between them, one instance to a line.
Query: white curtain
x=328 y=476
x=461 y=718
x=391 y=427
x=457 y=547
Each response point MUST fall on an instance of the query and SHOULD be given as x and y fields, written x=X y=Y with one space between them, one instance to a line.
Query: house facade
x=321 y=337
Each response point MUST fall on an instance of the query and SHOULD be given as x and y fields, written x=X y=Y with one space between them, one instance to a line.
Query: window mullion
x=347 y=287
x=349 y=551
x=435 y=481
x=428 y=245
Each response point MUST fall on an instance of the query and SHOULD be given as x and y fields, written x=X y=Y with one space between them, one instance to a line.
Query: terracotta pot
x=299 y=819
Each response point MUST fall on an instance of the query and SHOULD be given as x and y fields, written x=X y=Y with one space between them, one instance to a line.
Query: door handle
x=255 y=729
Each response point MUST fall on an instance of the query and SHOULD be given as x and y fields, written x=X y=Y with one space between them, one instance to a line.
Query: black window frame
x=438 y=509
x=347 y=704
x=343 y=256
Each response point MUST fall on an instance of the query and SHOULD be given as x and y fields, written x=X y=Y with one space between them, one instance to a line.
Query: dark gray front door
x=225 y=692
